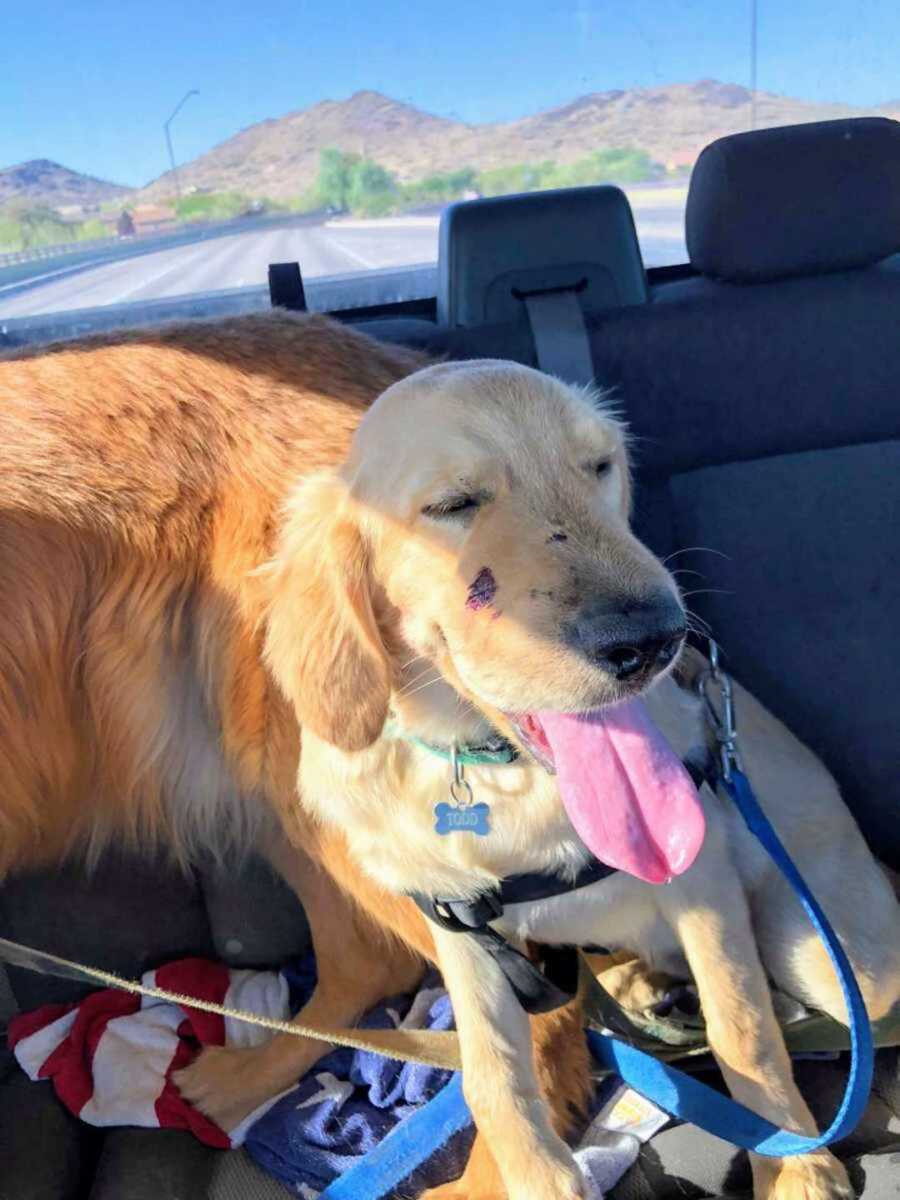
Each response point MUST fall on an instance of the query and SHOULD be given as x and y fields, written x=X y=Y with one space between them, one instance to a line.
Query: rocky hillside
x=42 y=182
x=279 y=157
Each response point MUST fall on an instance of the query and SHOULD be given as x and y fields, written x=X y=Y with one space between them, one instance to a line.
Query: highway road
x=338 y=247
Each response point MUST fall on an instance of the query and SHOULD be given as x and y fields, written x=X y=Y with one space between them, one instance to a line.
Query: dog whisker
x=415 y=658
x=696 y=624
x=695 y=550
x=707 y=592
x=410 y=690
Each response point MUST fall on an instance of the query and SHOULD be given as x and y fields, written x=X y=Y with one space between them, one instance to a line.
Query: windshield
x=175 y=150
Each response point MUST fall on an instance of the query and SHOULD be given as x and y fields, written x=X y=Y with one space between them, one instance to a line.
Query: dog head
x=476 y=540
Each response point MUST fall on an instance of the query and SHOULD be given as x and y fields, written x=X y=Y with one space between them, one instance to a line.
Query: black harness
x=537 y=990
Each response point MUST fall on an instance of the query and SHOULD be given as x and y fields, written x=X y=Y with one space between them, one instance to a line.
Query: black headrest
x=494 y=250
x=799 y=200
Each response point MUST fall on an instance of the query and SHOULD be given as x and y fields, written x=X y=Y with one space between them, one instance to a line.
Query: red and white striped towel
x=111 y=1056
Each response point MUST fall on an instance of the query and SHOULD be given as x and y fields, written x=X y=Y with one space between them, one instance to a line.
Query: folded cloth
x=112 y=1056
x=352 y=1099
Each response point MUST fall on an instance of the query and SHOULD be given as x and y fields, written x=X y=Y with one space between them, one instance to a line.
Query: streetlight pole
x=178 y=107
x=754 y=33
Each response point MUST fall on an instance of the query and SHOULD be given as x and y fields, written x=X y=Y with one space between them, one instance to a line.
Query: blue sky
x=89 y=83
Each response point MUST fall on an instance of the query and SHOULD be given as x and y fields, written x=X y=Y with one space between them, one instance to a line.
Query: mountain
x=279 y=157
x=42 y=182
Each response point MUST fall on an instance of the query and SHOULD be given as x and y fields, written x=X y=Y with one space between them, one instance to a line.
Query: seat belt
x=560 y=335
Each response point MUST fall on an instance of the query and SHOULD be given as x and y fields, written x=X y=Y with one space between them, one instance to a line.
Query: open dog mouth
x=623 y=787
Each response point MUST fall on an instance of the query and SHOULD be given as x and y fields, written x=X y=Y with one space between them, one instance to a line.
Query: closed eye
x=601 y=467
x=451 y=507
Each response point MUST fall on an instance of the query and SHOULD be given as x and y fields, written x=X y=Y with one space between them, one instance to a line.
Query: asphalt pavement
x=339 y=247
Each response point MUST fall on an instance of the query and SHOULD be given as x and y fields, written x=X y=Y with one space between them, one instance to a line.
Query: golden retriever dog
x=252 y=569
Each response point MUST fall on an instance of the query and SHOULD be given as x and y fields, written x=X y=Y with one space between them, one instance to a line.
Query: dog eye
x=601 y=468
x=453 y=506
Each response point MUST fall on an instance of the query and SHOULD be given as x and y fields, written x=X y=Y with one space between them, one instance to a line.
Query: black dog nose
x=632 y=638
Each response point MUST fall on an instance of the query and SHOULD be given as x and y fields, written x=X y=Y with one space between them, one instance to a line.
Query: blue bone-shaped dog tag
x=472 y=818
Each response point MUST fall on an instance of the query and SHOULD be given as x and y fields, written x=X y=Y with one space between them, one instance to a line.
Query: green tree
x=25 y=228
x=439 y=188
x=625 y=165
x=211 y=206
x=520 y=177
x=309 y=201
x=93 y=229
x=373 y=191
x=335 y=176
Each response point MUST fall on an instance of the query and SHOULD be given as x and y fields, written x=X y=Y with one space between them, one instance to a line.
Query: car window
x=170 y=153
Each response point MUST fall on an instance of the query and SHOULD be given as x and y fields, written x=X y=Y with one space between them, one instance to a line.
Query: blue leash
x=417 y=1138
x=686 y=1097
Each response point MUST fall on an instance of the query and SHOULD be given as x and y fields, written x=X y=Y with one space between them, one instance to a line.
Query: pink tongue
x=627 y=793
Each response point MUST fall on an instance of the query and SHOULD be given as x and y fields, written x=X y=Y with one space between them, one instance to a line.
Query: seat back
x=494 y=252
x=767 y=432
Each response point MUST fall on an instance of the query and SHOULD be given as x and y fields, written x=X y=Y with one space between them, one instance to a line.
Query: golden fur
x=143 y=478
x=211 y=540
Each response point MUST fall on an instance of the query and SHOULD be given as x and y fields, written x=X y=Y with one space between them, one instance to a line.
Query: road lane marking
x=145 y=282
x=333 y=244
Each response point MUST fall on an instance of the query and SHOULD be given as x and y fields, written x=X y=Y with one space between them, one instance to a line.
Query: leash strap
x=435 y=1048
x=537 y=991
x=406 y=1148
x=686 y=1097
x=683 y=1096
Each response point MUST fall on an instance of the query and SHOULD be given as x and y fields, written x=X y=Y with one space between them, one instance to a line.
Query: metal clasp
x=722 y=718
x=460 y=789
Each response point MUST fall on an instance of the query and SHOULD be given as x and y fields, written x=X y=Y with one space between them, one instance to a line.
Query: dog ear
x=322 y=642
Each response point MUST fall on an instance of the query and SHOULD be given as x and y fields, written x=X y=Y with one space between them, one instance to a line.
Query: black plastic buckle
x=462 y=916
x=526 y=293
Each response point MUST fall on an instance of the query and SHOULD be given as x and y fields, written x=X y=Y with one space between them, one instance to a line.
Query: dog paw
x=455 y=1191
x=451 y=1191
x=817 y=1176
x=224 y=1084
x=680 y=1000
x=549 y=1181
x=639 y=989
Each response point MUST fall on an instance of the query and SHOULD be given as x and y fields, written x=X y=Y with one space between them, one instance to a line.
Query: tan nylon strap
x=434 y=1049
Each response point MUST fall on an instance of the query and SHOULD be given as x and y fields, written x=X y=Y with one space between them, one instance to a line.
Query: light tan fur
x=205 y=549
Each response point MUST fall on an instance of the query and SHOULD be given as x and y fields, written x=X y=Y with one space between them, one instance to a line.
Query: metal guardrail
x=75 y=256
x=161 y=232
x=34 y=253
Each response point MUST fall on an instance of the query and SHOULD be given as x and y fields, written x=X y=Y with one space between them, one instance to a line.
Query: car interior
x=759 y=383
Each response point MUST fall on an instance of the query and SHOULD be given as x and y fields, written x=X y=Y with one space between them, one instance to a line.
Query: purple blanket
x=352 y=1099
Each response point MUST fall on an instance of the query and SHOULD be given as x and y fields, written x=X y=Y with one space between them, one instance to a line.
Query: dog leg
x=746 y=1040
x=357 y=965
x=562 y=1066
x=864 y=916
x=502 y=1086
